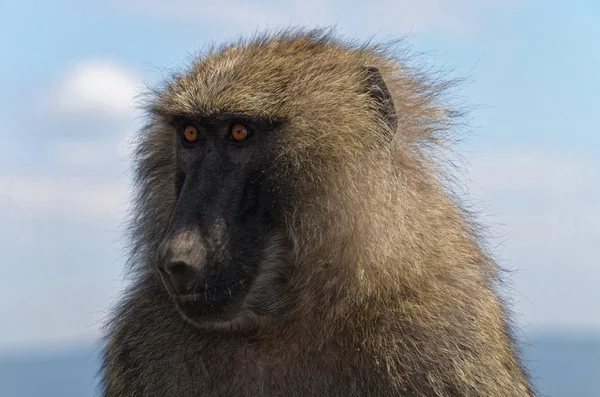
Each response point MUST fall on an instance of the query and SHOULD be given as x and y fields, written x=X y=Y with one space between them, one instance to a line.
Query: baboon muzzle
x=196 y=239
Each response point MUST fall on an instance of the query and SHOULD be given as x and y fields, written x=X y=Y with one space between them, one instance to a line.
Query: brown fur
x=387 y=289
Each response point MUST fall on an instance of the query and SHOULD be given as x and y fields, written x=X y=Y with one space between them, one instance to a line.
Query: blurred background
x=69 y=73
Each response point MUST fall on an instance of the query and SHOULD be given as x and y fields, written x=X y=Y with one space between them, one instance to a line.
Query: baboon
x=292 y=235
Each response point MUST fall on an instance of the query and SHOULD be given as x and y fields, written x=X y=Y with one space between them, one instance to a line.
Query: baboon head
x=254 y=170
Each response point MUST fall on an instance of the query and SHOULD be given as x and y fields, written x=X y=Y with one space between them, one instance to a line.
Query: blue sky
x=70 y=70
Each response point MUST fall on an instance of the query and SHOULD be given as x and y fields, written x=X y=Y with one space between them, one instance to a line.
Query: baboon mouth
x=209 y=301
x=203 y=311
x=209 y=295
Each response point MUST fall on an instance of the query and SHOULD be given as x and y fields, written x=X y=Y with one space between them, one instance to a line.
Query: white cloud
x=397 y=16
x=84 y=154
x=84 y=174
x=75 y=196
x=96 y=86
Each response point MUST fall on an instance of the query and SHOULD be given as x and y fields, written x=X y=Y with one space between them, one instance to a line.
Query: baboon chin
x=291 y=236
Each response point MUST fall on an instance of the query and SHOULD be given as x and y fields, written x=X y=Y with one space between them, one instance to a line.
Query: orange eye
x=190 y=133
x=239 y=133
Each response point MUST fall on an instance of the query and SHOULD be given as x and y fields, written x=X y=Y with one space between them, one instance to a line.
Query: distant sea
x=562 y=365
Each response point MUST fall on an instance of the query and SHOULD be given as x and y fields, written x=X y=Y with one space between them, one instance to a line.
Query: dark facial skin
x=213 y=247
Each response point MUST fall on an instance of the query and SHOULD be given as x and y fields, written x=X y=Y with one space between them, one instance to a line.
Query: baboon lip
x=208 y=296
x=202 y=310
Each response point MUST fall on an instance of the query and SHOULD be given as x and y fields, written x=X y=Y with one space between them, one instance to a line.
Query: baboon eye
x=190 y=133
x=239 y=133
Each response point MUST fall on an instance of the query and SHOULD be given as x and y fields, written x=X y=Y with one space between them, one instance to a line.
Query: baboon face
x=223 y=217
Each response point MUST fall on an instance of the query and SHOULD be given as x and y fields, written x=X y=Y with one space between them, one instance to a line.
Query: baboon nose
x=180 y=261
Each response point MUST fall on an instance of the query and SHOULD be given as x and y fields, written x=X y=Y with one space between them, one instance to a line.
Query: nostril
x=176 y=268
x=179 y=278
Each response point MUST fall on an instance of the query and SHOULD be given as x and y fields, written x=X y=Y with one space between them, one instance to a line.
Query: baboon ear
x=380 y=92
